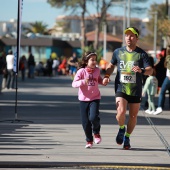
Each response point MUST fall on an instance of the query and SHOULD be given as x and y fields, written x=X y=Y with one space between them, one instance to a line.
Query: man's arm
x=109 y=71
x=146 y=71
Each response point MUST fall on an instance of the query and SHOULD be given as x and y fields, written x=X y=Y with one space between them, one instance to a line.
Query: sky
x=40 y=10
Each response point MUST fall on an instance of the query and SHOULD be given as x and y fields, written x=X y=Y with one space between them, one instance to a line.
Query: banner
x=17 y=54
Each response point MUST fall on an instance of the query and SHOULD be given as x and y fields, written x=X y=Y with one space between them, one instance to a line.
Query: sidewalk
x=55 y=139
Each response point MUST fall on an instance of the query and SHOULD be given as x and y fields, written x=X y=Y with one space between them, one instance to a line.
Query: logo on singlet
x=127 y=65
x=126 y=75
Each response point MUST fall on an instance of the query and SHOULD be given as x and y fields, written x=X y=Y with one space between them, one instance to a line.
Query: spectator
x=73 y=63
x=23 y=66
x=144 y=80
x=2 y=69
x=150 y=87
x=165 y=85
x=31 y=66
x=10 y=72
x=49 y=66
x=55 y=66
x=40 y=70
x=62 y=67
x=4 y=79
x=160 y=69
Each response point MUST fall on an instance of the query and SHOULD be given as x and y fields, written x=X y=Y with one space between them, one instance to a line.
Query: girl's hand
x=87 y=81
x=106 y=81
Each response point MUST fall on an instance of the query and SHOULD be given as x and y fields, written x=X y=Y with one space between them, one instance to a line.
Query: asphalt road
x=40 y=128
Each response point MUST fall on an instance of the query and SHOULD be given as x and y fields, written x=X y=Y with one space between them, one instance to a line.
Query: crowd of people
x=7 y=70
x=27 y=67
x=158 y=83
x=165 y=83
x=58 y=66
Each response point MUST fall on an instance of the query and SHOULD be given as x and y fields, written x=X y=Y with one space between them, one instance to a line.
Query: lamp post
x=129 y=7
x=124 y=4
x=155 y=30
x=104 y=40
x=124 y=23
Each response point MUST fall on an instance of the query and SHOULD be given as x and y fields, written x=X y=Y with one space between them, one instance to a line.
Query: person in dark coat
x=49 y=66
x=160 y=69
x=3 y=69
x=23 y=66
x=31 y=66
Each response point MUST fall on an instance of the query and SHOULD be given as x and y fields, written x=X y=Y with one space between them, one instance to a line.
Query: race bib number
x=128 y=77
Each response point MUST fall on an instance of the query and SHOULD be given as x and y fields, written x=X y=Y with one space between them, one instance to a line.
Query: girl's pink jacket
x=90 y=91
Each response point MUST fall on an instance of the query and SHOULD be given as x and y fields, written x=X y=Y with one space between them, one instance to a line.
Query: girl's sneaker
x=97 y=138
x=147 y=111
x=151 y=112
x=89 y=145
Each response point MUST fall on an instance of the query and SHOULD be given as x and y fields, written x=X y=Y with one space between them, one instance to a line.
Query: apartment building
x=114 y=24
x=9 y=28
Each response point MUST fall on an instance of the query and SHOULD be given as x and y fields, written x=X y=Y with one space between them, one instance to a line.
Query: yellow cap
x=132 y=30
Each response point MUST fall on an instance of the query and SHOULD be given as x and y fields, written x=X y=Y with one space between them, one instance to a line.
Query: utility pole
x=155 y=31
x=167 y=8
x=124 y=23
x=104 y=40
x=124 y=18
x=129 y=8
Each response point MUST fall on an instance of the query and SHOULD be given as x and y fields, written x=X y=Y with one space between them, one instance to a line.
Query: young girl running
x=87 y=79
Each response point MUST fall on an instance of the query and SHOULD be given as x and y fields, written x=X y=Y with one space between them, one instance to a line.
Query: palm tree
x=37 y=27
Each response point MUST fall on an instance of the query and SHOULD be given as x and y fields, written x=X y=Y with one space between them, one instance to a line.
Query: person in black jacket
x=3 y=69
x=160 y=69
x=31 y=66
x=49 y=66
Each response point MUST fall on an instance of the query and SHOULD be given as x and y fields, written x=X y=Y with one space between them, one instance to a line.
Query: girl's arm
x=79 y=80
x=100 y=80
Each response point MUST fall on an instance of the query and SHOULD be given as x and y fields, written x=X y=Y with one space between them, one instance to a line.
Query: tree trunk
x=101 y=17
x=167 y=9
x=97 y=32
x=83 y=32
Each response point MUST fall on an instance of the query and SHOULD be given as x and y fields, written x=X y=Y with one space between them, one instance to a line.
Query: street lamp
x=124 y=23
x=124 y=27
x=129 y=9
x=124 y=18
x=155 y=30
x=104 y=40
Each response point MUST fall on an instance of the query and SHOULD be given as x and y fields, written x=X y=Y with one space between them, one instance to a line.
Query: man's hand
x=136 y=69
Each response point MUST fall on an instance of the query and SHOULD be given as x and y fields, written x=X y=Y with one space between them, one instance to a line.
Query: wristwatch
x=143 y=70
